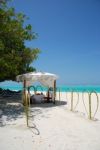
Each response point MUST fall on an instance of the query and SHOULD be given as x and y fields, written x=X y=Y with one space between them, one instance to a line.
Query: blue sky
x=69 y=37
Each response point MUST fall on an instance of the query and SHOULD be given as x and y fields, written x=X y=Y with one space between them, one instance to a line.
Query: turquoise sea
x=62 y=88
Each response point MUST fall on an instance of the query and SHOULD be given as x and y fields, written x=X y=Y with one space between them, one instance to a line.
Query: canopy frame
x=47 y=79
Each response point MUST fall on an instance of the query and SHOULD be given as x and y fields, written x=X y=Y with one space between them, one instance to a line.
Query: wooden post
x=25 y=101
x=90 y=113
x=24 y=92
x=54 y=90
x=28 y=96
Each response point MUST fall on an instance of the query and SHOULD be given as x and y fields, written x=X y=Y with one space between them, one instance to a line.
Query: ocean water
x=82 y=88
x=62 y=88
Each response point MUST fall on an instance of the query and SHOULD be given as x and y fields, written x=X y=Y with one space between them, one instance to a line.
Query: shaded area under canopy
x=46 y=79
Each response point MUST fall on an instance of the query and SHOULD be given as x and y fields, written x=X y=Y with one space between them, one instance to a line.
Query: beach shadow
x=37 y=112
x=11 y=109
x=36 y=109
x=51 y=104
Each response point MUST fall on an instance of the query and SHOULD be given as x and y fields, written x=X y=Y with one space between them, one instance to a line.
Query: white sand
x=53 y=127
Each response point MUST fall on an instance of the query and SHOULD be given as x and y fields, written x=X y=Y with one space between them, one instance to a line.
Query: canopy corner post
x=25 y=102
x=24 y=92
x=54 y=91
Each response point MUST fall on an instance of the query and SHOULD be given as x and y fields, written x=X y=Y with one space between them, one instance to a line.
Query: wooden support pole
x=24 y=92
x=54 y=90
x=25 y=101
x=28 y=96
x=90 y=113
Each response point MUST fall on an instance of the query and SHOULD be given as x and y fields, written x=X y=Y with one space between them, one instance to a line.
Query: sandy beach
x=51 y=127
